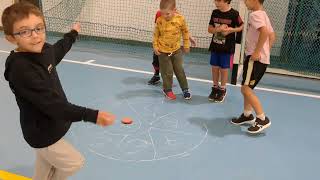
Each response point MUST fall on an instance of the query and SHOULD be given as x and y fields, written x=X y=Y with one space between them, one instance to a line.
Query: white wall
x=127 y=19
x=3 y=5
x=134 y=19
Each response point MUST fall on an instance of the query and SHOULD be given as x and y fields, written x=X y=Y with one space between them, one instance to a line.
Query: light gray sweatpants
x=57 y=162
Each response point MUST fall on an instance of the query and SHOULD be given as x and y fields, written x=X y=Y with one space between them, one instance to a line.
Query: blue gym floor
x=172 y=140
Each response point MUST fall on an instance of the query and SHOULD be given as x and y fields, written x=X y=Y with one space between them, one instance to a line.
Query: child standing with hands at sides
x=166 y=44
x=224 y=23
x=45 y=113
x=155 y=79
x=259 y=40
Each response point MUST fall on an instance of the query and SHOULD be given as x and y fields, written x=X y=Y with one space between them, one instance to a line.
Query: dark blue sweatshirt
x=45 y=113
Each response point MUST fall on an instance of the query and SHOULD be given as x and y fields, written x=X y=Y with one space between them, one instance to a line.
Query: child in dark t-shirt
x=224 y=23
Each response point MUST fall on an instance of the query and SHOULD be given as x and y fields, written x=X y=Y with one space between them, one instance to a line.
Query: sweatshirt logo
x=50 y=68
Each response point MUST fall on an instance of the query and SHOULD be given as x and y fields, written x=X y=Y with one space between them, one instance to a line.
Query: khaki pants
x=57 y=162
x=170 y=64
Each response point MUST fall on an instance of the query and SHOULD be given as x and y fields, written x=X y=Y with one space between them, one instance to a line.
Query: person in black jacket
x=45 y=113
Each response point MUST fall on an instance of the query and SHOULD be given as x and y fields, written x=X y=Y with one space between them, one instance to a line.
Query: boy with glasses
x=45 y=113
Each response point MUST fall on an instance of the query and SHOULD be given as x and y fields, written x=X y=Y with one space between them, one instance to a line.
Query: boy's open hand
x=186 y=50
x=105 y=118
x=256 y=56
x=156 y=51
x=76 y=27
x=192 y=41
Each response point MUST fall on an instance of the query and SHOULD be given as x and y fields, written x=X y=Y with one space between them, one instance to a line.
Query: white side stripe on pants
x=249 y=72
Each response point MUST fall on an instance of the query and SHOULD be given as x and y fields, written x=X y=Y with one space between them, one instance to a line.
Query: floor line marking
x=89 y=63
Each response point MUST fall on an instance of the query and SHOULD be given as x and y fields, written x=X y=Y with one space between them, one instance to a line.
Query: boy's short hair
x=17 y=12
x=226 y=1
x=261 y=1
x=167 y=4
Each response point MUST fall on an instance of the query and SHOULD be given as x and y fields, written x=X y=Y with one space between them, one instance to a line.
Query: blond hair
x=167 y=4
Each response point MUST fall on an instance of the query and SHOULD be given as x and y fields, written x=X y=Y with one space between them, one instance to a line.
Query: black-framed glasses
x=28 y=32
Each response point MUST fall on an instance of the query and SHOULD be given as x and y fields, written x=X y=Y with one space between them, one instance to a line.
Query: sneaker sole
x=245 y=122
x=263 y=128
x=221 y=100
x=168 y=96
x=155 y=83
x=188 y=98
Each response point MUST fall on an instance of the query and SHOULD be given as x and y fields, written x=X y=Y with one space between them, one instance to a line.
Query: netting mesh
x=123 y=22
x=300 y=43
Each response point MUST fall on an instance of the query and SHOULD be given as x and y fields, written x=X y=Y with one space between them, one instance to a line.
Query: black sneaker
x=259 y=125
x=154 y=80
x=243 y=120
x=186 y=94
x=221 y=95
x=213 y=94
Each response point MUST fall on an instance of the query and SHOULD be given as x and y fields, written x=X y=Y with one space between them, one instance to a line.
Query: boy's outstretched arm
x=64 y=45
x=35 y=90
